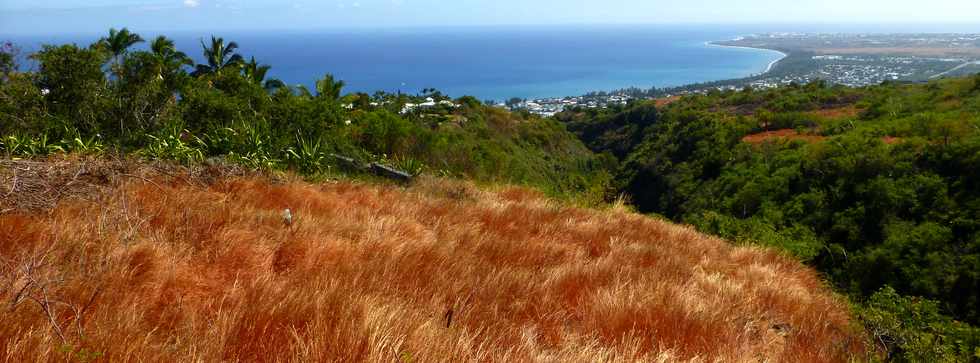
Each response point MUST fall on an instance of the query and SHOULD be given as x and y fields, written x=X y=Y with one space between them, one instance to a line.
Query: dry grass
x=791 y=134
x=837 y=113
x=779 y=135
x=892 y=140
x=165 y=269
x=661 y=102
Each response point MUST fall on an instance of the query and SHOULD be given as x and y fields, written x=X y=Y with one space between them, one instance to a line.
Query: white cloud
x=356 y=4
x=192 y=3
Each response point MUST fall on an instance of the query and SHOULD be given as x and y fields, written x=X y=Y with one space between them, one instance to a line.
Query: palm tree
x=119 y=41
x=329 y=88
x=219 y=57
x=168 y=58
x=255 y=74
x=273 y=84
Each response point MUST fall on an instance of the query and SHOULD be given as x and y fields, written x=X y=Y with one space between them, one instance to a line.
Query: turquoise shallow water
x=490 y=63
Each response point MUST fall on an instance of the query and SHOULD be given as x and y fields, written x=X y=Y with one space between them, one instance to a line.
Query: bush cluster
x=877 y=187
x=154 y=102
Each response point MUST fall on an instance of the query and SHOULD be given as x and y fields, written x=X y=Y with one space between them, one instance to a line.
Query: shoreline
x=771 y=65
x=713 y=43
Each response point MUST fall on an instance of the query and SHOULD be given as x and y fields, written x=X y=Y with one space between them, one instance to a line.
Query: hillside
x=162 y=263
x=145 y=102
x=876 y=187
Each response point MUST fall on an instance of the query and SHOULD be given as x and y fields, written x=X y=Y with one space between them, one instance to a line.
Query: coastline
x=771 y=65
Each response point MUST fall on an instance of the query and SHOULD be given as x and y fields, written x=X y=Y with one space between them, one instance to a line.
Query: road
x=956 y=68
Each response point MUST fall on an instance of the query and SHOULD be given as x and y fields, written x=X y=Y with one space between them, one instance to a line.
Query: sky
x=91 y=16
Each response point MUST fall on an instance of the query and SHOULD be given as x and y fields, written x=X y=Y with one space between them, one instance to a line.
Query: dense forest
x=876 y=187
x=124 y=94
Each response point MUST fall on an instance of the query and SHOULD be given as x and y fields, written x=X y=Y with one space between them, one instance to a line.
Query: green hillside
x=879 y=188
x=109 y=97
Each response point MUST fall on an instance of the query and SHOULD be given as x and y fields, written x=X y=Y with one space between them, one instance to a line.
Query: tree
x=118 y=42
x=219 y=56
x=145 y=93
x=912 y=329
x=513 y=101
x=8 y=59
x=329 y=88
x=169 y=60
x=147 y=87
x=21 y=101
x=74 y=82
x=470 y=102
x=255 y=74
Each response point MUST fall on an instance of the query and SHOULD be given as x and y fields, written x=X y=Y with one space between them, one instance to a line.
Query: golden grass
x=837 y=113
x=441 y=271
x=779 y=135
x=662 y=102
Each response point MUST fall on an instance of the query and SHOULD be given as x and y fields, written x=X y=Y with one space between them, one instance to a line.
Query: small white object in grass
x=287 y=217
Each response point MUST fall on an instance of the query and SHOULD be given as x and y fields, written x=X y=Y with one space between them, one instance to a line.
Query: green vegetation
x=912 y=329
x=876 y=187
x=111 y=96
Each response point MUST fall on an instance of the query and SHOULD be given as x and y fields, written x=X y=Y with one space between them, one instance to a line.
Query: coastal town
x=853 y=60
x=548 y=107
x=864 y=70
x=857 y=60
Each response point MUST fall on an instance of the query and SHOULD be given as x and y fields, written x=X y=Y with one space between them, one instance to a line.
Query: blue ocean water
x=489 y=63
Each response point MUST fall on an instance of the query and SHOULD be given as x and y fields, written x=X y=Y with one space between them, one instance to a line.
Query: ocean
x=491 y=63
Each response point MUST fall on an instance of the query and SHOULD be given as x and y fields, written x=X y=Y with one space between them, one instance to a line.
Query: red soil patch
x=661 y=102
x=172 y=271
x=781 y=135
x=891 y=140
x=838 y=113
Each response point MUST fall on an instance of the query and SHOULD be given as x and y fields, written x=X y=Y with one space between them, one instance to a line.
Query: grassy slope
x=201 y=267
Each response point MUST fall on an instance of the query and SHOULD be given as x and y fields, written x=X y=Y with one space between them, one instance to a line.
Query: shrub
x=910 y=329
x=174 y=144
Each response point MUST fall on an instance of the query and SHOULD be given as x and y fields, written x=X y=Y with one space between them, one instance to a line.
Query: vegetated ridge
x=876 y=187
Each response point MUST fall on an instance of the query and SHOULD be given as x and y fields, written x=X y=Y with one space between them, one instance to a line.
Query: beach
x=771 y=64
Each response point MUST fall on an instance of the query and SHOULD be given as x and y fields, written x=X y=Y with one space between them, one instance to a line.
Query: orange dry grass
x=892 y=140
x=784 y=134
x=661 y=102
x=436 y=272
x=849 y=111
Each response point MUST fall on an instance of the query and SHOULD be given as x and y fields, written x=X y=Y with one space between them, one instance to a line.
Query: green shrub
x=174 y=144
x=308 y=156
x=910 y=329
x=30 y=145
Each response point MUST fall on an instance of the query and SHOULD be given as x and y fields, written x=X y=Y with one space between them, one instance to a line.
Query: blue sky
x=84 y=16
